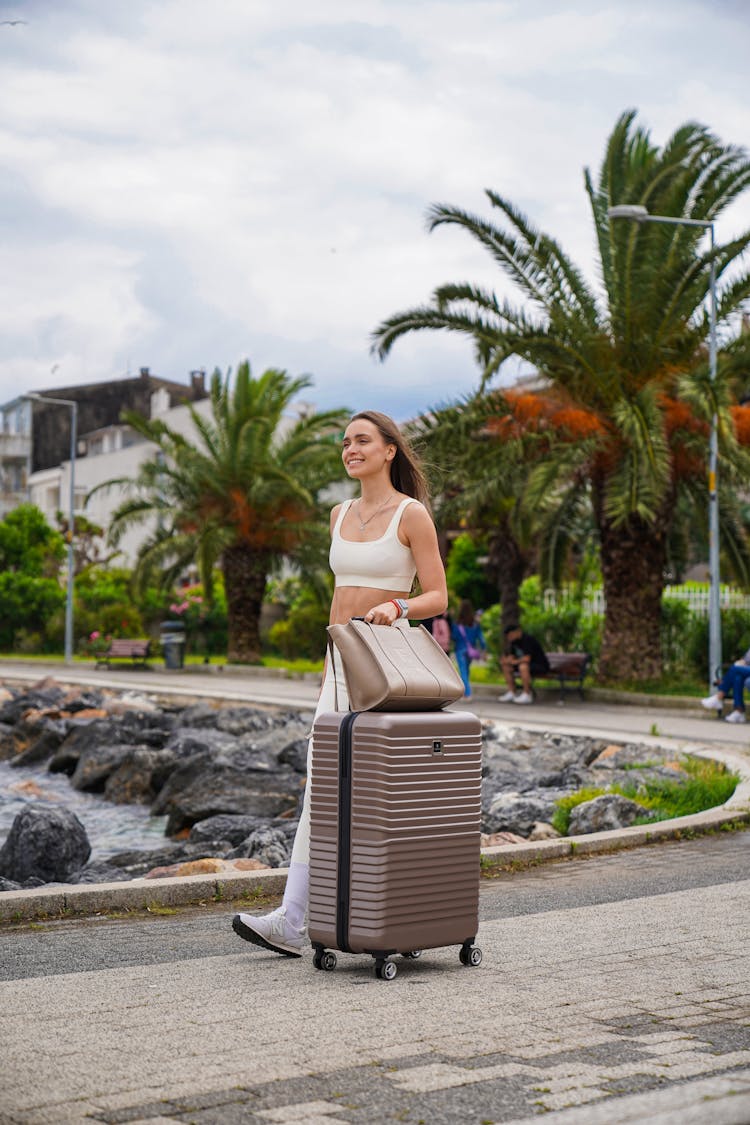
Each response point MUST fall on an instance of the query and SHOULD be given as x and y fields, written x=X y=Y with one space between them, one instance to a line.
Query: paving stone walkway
x=585 y=1014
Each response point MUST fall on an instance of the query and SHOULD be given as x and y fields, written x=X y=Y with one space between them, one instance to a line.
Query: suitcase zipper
x=343 y=881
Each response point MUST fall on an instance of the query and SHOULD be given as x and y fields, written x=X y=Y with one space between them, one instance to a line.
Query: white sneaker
x=523 y=697
x=508 y=697
x=712 y=702
x=736 y=717
x=272 y=931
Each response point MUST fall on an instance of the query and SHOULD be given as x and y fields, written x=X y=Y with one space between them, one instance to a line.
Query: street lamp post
x=71 y=512
x=639 y=214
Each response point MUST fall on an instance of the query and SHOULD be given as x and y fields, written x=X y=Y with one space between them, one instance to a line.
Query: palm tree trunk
x=509 y=563
x=633 y=558
x=245 y=573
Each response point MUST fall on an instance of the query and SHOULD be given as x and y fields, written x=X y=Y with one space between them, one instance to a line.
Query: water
x=110 y=828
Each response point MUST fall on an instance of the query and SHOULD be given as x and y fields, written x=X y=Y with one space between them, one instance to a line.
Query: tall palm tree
x=630 y=353
x=482 y=452
x=243 y=494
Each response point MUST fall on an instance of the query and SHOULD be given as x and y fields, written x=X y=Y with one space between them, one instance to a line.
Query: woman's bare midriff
x=356 y=601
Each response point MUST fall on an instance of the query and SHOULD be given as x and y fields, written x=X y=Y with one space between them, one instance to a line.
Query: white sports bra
x=381 y=564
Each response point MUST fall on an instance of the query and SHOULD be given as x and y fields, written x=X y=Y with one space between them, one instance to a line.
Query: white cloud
x=235 y=178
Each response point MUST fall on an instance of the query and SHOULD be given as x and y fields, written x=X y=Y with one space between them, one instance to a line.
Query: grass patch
x=706 y=785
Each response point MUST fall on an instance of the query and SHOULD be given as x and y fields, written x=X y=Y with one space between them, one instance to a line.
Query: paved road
x=613 y=989
x=574 y=716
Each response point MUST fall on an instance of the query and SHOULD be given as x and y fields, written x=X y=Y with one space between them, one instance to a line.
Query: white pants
x=330 y=694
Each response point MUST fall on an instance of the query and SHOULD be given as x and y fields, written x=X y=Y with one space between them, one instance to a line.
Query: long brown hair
x=407 y=474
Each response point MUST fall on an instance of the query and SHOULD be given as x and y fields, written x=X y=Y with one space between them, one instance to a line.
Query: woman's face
x=365 y=452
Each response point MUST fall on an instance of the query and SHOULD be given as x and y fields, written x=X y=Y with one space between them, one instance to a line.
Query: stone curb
x=64 y=900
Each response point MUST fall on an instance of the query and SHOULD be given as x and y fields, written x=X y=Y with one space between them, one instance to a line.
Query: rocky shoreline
x=230 y=779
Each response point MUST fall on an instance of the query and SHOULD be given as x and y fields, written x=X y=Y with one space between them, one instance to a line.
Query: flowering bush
x=97 y=643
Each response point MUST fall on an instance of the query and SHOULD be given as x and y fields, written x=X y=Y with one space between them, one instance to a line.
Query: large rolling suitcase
x=394 y=835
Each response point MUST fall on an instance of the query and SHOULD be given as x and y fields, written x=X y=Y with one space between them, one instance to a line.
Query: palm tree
x=481 y=453
x=629 y=354
x=245 y=494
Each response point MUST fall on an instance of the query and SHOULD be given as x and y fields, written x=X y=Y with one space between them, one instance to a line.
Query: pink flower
x=95 y=635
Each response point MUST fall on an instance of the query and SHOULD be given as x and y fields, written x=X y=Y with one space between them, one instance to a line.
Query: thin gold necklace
x=363 y=523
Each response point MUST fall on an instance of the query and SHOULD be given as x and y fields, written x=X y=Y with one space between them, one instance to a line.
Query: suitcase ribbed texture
x=413 y=878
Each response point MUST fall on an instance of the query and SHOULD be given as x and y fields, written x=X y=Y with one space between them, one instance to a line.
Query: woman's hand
x=384 y=614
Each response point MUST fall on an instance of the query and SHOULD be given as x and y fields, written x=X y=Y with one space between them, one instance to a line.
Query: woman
x=468 y=642
x=379 y=542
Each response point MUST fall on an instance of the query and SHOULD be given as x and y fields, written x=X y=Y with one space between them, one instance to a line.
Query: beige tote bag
x=389 y=669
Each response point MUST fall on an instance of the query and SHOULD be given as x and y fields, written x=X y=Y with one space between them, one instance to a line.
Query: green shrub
x=302 y=633
x=466 y=574
x=27 y=603
x=706 y=784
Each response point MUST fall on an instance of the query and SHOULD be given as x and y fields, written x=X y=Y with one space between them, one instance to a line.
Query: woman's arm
x=417 y=531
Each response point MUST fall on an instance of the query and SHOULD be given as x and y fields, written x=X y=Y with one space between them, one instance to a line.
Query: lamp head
x=633 y=211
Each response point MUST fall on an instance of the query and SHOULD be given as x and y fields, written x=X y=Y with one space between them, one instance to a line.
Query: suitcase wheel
x=470 y=954
x=385 y=970
x=324 y=959
x=414 y=955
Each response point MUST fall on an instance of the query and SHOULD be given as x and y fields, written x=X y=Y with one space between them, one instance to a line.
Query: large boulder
x=49 y=844
x=269 y=845
x=203 y=787
x=604 y=813
x=96 y=764
x=43 y=744
x=139 y=776
x=232 y=829
x=518 y=813
x=101 y=733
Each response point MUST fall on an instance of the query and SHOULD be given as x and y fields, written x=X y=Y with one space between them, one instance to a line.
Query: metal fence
x=697 y=599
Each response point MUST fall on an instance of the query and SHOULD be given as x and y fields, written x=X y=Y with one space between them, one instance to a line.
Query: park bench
x=567 y=668
x=121 y=648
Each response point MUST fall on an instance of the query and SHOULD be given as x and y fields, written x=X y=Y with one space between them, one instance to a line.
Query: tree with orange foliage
x=626 y=362
x=244 y=494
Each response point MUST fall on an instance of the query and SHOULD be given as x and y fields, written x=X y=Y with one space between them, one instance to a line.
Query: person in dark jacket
x=523 y=657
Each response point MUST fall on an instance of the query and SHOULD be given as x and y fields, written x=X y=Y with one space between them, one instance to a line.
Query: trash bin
x=173 y=643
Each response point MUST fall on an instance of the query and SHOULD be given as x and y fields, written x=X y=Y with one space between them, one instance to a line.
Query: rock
x=88 y=736
x=139 y=776
x=198 y=716
x=492 y=839
x=131 y=701
x=203 y=786
x=294 y=755
x=77 y=699
x=100 y=872
x=511 y=812
x=245 y=720
x=543 y=831
x=96 y=764
x=44 y=843
x=233 y=829
x=46 y=693
x=269 y=845
x=9 y=885
x=206 y=867
x=7 y=742
x=44 y=745
x=604 y=813
x=616 y=757
x=185 y=742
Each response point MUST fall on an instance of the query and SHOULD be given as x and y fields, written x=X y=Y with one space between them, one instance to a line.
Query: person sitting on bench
x=733 y=681
x=523 y=656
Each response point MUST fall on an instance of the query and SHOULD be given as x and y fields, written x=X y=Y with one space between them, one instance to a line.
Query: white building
x=15 y=454
x=114 y=452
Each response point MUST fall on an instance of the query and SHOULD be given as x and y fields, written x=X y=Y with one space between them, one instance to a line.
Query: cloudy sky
x=184 y=183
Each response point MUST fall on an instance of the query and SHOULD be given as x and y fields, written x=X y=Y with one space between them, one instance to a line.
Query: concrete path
x=615 y=720
x=612 y=990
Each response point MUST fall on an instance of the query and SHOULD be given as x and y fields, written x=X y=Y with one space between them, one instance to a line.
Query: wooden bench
x=121 y=648
x=567 y=667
